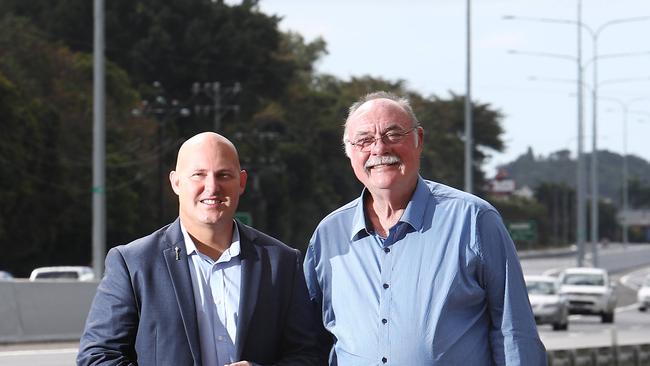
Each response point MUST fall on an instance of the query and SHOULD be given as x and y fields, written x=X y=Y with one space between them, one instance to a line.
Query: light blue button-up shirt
x=445 y=287
x=216 y=288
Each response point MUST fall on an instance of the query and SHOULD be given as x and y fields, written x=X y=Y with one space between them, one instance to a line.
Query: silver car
x=549 y=306
x=589 y=291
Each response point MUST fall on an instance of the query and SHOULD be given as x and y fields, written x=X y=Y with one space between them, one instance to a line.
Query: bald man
x=205 y=289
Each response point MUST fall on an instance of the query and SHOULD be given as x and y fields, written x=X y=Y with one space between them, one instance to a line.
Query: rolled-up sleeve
x=513 y=334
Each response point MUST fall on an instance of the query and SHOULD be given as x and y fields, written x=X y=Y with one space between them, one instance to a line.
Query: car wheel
x=642 y=308
x=607 y=317
x=561 y=326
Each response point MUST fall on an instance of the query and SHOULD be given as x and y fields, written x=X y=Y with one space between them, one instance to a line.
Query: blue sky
x=423 y=42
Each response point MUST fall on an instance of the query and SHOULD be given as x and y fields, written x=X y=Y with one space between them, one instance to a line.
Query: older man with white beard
x=414 y=272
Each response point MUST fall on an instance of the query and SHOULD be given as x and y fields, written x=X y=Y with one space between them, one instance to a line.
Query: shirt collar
x=233 y=251
x=413 y=214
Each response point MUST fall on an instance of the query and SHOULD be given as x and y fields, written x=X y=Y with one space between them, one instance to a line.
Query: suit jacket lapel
x=251 y=269
x=181 y=280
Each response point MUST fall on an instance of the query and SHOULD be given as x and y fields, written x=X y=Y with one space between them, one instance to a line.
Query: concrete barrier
x=44 y=310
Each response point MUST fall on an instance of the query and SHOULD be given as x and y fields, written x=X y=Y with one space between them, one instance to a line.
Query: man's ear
x=243 y=177
x=419 y=136
x=174 y=180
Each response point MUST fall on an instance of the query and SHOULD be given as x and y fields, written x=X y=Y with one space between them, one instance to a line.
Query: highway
x=627 y=265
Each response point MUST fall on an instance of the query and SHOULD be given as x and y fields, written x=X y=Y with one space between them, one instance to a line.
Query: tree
x=46 y=148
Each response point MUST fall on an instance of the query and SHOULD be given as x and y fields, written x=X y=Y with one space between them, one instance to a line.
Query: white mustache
x=382 y=160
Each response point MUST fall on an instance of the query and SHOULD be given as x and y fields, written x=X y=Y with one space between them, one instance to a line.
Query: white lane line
x=627 y=307
x=38 y=352
x=625 y=280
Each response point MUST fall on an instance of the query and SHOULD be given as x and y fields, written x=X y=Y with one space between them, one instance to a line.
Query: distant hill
x=559 y=167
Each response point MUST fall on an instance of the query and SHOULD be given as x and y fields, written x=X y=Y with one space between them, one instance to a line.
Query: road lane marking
x=34 y=352
x=627 y=307
x=625 y=280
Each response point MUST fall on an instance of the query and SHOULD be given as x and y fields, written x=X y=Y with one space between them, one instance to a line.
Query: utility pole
x=214 y=91
x=162 y=109
x=99 y=144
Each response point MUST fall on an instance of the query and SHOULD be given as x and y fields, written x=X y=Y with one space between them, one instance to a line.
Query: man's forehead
x=205 y=156
x=384 y=112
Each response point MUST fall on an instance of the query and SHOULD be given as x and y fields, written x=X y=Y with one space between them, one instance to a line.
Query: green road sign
x=523 y=231
x=244 y=217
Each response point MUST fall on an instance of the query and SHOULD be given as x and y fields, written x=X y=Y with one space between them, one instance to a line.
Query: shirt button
x=384 y=321
x=386 y=285
x=384 y=359
x=386 y=250
x=220 y=338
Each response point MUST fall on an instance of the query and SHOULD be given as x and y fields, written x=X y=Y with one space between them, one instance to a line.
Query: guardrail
x=624 y=355
x=44 y=310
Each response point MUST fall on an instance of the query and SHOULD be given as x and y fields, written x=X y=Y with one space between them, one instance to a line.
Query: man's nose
x=211 y=183
x=378 y=146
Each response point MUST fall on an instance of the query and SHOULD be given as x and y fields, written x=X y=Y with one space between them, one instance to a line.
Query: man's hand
x=240 y=363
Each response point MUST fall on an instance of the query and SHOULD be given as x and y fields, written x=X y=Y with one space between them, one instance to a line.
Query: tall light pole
x=594 y=158
x=581 y=221
x=99 y=144
x=468 y=107
x=595 y=34
x=625 y=171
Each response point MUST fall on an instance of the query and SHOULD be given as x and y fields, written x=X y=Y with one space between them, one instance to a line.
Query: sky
x=424 y=43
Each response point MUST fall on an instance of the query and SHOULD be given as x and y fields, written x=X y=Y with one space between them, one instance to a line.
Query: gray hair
x=401 y=101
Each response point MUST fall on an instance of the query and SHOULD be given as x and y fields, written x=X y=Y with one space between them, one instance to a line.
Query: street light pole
x=595 y=237
x=625 y=171
x=99 y=144
x=580 y=183
x=581 y=219
x=468 y=108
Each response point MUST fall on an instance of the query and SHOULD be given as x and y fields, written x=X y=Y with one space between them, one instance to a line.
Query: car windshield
x=584 y=279
x=62 y=274
x=540 y=287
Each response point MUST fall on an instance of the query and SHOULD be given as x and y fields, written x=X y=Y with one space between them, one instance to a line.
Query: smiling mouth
x=210 y=201
x=379 y=166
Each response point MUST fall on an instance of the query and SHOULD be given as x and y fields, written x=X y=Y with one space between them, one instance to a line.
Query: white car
x=643 y=295
x=79 y=273
x=5 y=276
x=589 y=291
x=549 y=306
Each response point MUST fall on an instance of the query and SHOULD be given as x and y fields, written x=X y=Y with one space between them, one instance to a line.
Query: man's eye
x=393 y=136
x=365 y=141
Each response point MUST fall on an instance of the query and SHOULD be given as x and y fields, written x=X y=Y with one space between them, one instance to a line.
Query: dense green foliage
x=287 y=126
x=553 y=180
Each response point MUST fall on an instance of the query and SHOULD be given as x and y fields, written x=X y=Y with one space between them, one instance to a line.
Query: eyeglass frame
x=383 y=137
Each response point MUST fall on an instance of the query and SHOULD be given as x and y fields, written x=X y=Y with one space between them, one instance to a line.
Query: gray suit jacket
x=144 y=311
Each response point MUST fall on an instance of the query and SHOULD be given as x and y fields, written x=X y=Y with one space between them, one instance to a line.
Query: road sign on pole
x=523 y=231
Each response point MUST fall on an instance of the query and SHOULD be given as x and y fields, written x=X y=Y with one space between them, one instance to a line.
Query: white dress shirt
x=216 y=286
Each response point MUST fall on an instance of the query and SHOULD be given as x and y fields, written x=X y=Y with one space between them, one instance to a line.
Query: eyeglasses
x=388 y=138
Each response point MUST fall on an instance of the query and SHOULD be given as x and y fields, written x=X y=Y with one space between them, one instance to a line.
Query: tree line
x=286 y=120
